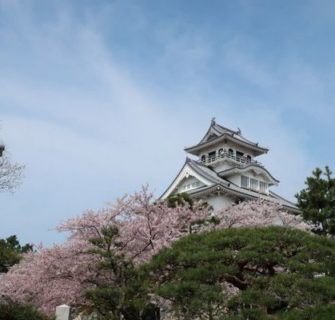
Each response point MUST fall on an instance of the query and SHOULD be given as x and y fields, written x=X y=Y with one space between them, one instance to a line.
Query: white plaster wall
x=188 y=181
x=252 y=174
x=235 y=179
x=259 y=177
x=219 y=201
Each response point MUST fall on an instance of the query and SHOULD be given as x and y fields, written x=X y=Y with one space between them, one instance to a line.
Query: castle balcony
x=241 y=160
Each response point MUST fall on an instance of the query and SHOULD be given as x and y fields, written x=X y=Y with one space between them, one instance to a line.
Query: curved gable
x=181 y=180
x=252 y=170
x=211 y=134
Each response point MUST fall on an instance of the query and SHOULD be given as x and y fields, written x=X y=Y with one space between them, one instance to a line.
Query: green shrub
x=10 y=310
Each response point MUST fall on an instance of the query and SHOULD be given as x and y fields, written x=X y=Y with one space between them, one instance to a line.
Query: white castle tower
x=226 y=171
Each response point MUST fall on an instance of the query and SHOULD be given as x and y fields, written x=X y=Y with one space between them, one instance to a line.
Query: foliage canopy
x=119 y=295
x=106 y=246
x=10 y=310
x=317 y=201
x=246 y=273
x=10 y=252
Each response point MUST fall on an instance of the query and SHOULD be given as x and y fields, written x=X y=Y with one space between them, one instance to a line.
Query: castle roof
x=217 y=133
x=212 y=182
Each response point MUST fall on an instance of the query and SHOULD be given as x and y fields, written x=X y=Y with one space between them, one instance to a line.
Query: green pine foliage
x=316 y=313
x=317 y=201
x=179 y=199
x=120 y=294
x=10 y=310
x=270 y=273
x=10 y=252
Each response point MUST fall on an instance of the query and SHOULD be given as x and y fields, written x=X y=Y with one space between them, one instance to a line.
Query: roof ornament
x=239 y=132
x=213 y=121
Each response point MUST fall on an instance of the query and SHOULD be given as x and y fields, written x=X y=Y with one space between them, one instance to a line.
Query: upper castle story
x=223 y=148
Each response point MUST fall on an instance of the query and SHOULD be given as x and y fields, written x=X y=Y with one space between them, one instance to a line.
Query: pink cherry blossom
x=258 y=213
x=60 y=274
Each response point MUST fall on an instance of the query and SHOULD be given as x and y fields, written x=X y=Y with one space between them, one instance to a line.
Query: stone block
x=63 y=312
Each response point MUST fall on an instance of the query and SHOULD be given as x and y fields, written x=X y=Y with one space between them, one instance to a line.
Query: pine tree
x=317 y=201
x=247 y=273
x=11 y=252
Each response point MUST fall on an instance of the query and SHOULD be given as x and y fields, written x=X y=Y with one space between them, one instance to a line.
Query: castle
x=226 y=171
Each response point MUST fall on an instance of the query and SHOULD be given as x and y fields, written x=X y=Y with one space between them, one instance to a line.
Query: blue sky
x=100 y=97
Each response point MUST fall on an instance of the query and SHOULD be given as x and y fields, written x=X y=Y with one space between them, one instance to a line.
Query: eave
x=232 y=171
x=196 y=149
x=245 y=194
x=289 y=204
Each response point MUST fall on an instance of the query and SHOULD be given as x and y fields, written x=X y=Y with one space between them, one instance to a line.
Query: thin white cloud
x=90 y=128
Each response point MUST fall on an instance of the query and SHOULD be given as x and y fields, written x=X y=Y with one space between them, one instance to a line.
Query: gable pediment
x=210 y=135
x=259 y=174
x=187 y=179
x=189 y=183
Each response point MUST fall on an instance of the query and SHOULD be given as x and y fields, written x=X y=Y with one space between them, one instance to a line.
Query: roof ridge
x=225 y=128
x=233 y=136
x=282 y=198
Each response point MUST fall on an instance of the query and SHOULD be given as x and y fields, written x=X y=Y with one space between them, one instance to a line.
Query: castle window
x=249 y=158
x=239 y=156
x=231 y=152
x=220 y=152
x=203 y=158
x=244 y=182
x=253 y=184
x=211 y=156
x=263 y=187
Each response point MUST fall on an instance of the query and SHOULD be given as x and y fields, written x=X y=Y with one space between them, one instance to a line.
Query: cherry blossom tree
x=145 y=226
x=60 y=274
x=52 y=276
x=10 y=172
x=258 y=213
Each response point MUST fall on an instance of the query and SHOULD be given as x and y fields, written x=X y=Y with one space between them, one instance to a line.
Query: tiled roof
x=229 y=186
x=205 y=171
x=221 y=132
